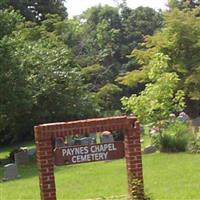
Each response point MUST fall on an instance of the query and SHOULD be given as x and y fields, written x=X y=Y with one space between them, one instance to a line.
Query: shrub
x=194 y=145
x=137 y=190
x=155 y=140
x=174 y=138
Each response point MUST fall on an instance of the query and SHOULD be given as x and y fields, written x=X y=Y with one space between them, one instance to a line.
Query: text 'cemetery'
x=88 y=153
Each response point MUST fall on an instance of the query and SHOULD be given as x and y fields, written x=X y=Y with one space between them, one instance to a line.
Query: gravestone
x=70 y=140
x=106 y=137
x=183 y=117
x=196 y=121
x=149 y=149
x=10 y=172
x=86 y=141
x=31 y=152
x=21 y=157
x=77 y=141
x=94 y=137
x=59 y=142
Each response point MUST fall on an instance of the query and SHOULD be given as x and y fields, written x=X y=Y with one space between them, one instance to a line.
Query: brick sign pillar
x=134 y=159
x=46 y=134
x=45 y=163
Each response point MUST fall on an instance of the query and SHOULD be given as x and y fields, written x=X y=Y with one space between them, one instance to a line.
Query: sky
x=76 y=7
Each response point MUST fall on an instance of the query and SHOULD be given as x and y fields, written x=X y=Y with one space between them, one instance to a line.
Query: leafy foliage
x=40 y=82
x=194 y=145
x=107 y=94
x=175 y=138
x=111 y=34
x=9 y=21
x=137 y=190
x=180 y=44
x=160 y=98
x=62 y=69
x=35 y=10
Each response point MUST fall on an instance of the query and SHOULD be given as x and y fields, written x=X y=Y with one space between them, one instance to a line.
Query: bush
x=173 y=137
x=137 y=190
x=194 y=145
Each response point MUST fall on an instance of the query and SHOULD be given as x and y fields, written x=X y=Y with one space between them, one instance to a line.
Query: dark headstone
x=31 y=152
x=94 y=137
x=70 y=140
x=106 y=138
x=59 y=142
x=86 y=141
x=149 y=149
x=77 y=141
x=21 y=158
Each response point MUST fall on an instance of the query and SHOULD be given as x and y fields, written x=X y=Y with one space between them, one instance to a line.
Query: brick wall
x=45 y=135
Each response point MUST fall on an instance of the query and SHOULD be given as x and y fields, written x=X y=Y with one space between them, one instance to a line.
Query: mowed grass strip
x=91 y=180
x=172 y=176
x=167 y=177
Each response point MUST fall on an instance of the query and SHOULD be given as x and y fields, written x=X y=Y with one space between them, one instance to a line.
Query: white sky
x=76 y=7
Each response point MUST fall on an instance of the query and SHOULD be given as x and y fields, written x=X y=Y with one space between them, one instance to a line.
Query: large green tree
x=179 y=40
x=161 y=95
x=40 y=82
x=9 y=20
x=35 y=10
x=109 y=35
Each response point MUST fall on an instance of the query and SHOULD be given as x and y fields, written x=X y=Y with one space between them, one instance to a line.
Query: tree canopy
x=179 y=40
x=35 y=10
x=41 y=82
x=54 y=68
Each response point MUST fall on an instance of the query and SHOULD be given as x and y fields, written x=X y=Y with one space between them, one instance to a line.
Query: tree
x=160 y=97
x=108 y=36
x=182 y=4
x=40 y=82
x=9 y=20
x=180 y=42
x=36 y=10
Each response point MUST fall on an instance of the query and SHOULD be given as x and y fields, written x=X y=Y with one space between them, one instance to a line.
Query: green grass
x=4 y=152
x=166 y=177
x=146 y=142
x=172 y=176
x=91 y=180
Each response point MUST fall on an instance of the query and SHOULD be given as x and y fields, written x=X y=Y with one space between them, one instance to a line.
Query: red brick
x=44 y=134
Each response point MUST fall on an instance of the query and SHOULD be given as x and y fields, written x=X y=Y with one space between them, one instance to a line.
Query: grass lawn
x=166 y=176
x=4 y=152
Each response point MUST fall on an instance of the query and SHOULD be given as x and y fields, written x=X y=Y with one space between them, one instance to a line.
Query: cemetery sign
x=89 y=153
x=52 y=151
